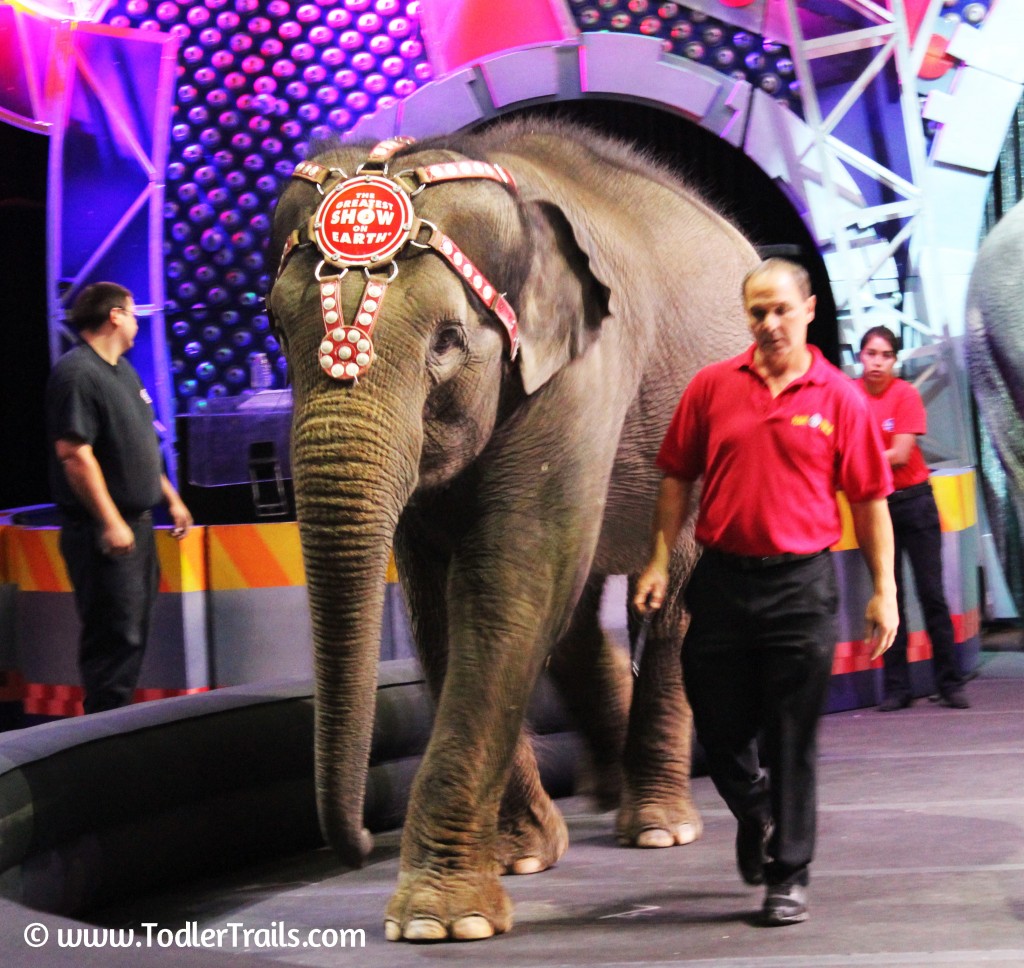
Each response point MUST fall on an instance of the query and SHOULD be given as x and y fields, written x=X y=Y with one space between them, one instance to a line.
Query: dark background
x=24 y=351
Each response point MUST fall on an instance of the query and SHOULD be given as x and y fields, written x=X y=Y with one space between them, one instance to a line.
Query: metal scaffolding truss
x=104 y=96
x=890 y=253
x=897 y=218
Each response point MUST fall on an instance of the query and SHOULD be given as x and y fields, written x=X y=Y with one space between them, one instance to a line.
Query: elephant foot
x=658 y=825
x=453 y=907
x=533 y=839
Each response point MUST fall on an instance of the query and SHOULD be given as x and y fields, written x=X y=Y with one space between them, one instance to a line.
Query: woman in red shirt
x=898 y=409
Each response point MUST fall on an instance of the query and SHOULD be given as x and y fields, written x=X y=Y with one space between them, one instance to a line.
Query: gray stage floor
x=920 y=862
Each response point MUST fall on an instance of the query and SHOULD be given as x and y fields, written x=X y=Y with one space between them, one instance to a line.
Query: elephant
x=995 y=359
x=491 y=415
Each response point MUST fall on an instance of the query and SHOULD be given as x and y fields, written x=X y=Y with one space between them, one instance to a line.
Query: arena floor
x=920 y=862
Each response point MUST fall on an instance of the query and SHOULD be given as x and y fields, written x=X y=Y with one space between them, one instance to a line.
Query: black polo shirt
x=106 y=407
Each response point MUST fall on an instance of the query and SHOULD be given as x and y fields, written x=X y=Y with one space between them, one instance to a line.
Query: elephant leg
x=592 y=676
x=657 y=809
x=532 y=833
x=502 y=619
x=448 y=885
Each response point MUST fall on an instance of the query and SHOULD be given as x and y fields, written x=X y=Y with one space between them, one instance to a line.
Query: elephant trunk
x=352 y=481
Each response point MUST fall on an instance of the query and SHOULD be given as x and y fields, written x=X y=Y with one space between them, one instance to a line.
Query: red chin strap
x=364 y=221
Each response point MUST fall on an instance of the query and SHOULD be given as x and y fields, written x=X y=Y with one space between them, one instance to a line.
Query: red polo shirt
x=771 y=467
x=899 y=410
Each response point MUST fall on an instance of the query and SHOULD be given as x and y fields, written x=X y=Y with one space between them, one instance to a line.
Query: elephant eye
x=448 y=337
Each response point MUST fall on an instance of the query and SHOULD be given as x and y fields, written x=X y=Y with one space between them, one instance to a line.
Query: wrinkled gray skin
x=509 y=492
x=995 y=351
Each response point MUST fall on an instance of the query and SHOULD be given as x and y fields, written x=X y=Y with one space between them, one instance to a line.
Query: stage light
x=358 y=101
x=400 y=27
x=974 y=13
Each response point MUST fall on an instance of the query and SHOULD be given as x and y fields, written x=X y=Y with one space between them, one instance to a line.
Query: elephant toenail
x=527 y=865
x=687 y=833
x=655 y=838
x=425 y=929
x=475 y=927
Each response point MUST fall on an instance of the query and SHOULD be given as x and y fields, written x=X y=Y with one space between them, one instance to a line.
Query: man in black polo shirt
x=106 y=476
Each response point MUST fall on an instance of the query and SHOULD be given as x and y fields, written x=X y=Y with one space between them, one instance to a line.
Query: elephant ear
x=563 y=303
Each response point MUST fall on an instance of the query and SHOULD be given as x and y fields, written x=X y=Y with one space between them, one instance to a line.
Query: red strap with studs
x=346 y=352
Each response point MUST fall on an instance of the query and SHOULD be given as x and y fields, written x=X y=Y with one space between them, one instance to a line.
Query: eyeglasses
x=124 y=309
x=876 y=354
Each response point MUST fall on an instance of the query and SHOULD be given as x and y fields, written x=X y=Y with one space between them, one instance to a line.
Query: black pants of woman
x=915 y=524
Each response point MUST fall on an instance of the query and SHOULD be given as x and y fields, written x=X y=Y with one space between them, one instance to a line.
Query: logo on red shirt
x=815 y=421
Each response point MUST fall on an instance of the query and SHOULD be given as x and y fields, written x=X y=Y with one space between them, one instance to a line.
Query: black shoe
x=784 y=905
x=955 y=700
x=891 y=703
x=752 y=850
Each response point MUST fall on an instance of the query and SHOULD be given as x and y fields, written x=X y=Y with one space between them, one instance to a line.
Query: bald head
x=775 y=265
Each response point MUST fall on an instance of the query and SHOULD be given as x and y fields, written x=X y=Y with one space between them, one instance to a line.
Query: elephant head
x=405 y=366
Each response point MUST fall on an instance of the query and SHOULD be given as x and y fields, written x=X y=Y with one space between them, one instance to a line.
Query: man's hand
x=180 y=515
x=650 y=588
x=670 y=513
x=881 y=621
x=117 y=539
x=873 y=527
x=182 y=518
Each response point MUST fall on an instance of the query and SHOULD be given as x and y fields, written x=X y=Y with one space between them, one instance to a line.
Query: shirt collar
x=815 y=373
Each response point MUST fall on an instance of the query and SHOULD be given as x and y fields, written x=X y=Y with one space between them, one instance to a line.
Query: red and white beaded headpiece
x=364 y=221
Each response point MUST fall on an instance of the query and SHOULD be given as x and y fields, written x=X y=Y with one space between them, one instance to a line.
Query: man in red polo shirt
x=772 y=433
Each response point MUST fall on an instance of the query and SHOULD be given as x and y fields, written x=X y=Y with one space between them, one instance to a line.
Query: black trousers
x=918 y=534
x=114 y=597
x=757 y=661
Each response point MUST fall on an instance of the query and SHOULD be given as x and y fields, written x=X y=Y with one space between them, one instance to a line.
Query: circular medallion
x=345 y=353
x=363 y=222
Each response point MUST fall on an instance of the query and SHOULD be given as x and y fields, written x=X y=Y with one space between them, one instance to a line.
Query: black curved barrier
x=115 y=805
